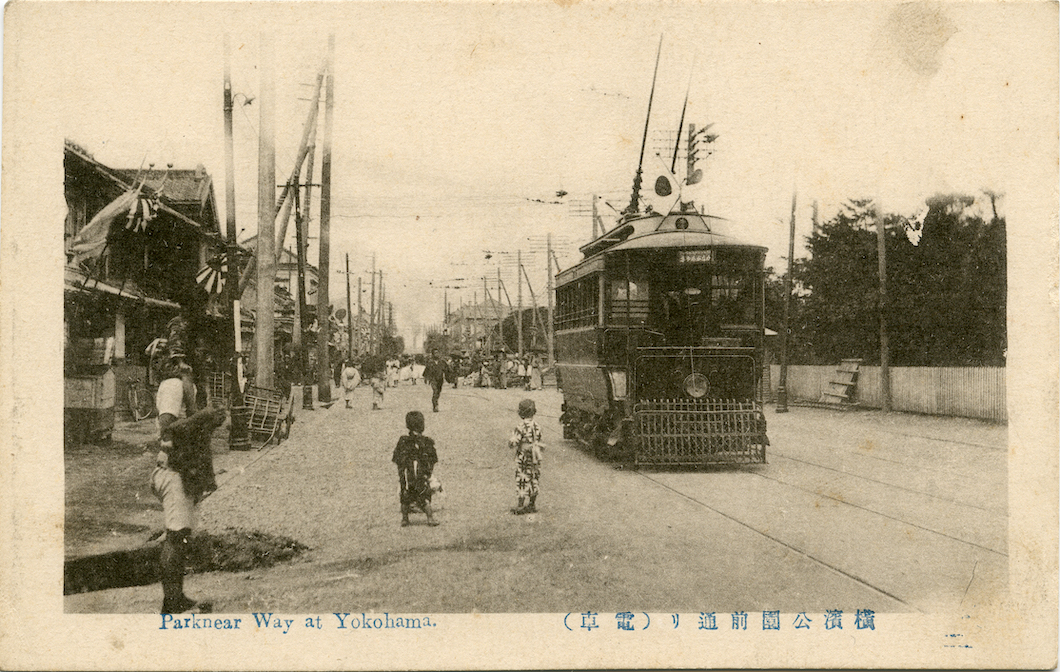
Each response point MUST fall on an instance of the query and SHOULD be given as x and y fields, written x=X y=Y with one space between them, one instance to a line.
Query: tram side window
x=576 y=303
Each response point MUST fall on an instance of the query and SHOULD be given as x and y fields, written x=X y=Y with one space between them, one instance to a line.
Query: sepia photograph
x=577 y=334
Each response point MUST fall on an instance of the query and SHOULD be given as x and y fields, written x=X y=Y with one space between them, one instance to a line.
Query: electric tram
x=659 y=333
x=659 y=342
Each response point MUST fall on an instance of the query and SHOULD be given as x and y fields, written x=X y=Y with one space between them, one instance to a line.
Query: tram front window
x=697 y=307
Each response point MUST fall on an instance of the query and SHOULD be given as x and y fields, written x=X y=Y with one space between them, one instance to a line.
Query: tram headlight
x=696 y=385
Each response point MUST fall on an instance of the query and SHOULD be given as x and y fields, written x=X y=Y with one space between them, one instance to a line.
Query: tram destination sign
x=695 y=256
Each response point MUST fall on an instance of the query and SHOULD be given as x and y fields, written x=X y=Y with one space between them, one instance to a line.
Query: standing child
x=415 y=458
x=351 y=378
x=526 y=440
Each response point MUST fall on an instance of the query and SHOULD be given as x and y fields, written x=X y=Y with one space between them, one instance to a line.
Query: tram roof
x=655 y=231
x=678 y=229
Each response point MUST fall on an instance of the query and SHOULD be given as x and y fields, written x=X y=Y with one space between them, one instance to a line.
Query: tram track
x=801 y=552
x=903 y=521
x=775 y=453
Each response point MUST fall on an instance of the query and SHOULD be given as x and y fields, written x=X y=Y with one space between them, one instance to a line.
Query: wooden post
x=305 y=376
x=549 y=331
x=885 y=371
x=308 y=132
x=237 y=430
x=371 y=312
x=519 y=301
x=265 y=325
x=324 y=373
x=349 y=311
x=782 y=384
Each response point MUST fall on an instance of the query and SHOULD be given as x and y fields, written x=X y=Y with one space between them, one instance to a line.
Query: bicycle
x=141 y=401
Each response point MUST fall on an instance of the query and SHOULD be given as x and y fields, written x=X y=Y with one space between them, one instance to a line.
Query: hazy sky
x=451 y=118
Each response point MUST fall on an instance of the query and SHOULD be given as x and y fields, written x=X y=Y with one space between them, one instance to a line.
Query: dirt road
x=853 y=511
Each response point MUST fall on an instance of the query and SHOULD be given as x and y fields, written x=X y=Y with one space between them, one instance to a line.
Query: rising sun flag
x=137 y=209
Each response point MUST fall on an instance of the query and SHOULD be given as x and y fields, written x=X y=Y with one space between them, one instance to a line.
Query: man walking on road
x=434 y=373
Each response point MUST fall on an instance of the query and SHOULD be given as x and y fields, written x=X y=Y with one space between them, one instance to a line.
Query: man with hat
x=183 y=474
x=434 y=373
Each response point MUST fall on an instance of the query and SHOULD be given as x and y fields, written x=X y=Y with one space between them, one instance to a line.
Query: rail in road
x=853 y=511
x=912 y=508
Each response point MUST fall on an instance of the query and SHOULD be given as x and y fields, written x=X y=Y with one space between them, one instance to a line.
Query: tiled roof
x=181 y=186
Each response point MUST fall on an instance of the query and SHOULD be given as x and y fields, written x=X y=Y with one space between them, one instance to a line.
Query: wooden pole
x=301 y=235
x=549 y=330
x=519 y=300
x=782 y=384
x=885 y=370
x=265 y=325
x=349 y=310
x=324 y=373
x=360 y=338
x=237 y=430
x=299 y=289
x=309 y=131
x=371 y=312
x=500 y=320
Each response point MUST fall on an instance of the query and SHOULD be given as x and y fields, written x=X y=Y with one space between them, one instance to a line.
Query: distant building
x=474 y=326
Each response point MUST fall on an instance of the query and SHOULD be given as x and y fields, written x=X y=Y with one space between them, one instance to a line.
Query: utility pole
x=371 y=313
x=265 y=325
x=324 y=374
x=381 y=313
x=885 y=369
x=596 y=217
x=782 y=385
x=301 y=235
x=500 y=320
x=549 y=334
x=360 y=338
x=238 y=438
x=519 y=299
x=349 y=310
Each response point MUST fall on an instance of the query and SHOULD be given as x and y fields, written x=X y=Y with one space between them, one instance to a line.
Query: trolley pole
x=782 y=385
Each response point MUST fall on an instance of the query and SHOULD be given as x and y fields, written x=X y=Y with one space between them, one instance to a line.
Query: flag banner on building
x=143 y=210
x=211 y=277
x=90 y=241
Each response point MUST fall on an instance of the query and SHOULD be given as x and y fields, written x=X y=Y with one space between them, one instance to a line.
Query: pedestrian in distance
x=434 y=373
x=183 y=475
x=415 y=457
x=526 y=440
x=351 y=378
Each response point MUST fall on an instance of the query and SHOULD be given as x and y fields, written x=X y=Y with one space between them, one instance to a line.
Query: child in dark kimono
x=415 y=458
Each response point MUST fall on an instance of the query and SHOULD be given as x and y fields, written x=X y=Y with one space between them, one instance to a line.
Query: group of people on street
x=416 y=456
x=183 y=474
x=506 y=370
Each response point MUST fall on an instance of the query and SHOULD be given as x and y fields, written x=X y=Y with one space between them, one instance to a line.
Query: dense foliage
x=946 y=286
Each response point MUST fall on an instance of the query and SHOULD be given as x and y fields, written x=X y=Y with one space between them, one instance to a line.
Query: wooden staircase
x=841 y=387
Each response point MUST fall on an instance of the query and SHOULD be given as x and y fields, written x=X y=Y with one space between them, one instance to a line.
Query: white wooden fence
x=972 y=392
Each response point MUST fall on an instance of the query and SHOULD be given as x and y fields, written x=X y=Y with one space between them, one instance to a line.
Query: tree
x=946 y=279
